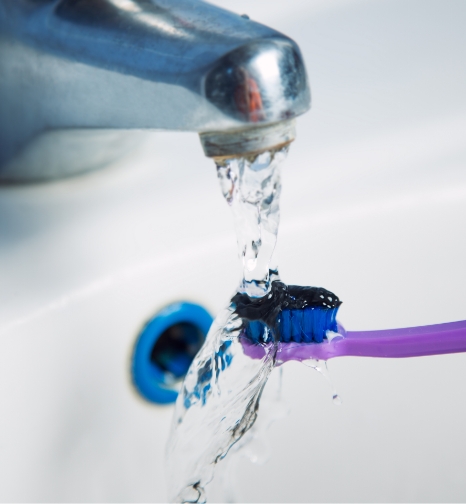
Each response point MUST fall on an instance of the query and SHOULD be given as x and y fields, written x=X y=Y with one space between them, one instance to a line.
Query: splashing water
x=216 y=406
x=219 y=399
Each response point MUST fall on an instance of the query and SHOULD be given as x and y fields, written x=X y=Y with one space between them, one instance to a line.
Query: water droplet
x=322 y=368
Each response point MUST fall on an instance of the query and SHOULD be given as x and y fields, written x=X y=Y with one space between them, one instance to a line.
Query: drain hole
x=165 y=348
x=175 y=349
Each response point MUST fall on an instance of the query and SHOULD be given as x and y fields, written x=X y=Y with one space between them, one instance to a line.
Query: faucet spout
x=79 y=75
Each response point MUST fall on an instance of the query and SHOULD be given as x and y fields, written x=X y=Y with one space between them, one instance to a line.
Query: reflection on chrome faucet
x=248 y=97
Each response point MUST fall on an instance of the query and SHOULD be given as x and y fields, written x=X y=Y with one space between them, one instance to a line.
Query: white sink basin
x=373 y=208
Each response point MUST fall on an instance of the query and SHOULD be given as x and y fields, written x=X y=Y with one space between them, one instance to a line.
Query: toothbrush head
x=289 y=313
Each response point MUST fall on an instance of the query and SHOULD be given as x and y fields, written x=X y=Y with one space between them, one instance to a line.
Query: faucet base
x=248 y=141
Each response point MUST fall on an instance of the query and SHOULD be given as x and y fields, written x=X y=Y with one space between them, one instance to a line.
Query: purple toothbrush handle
x=391 y=343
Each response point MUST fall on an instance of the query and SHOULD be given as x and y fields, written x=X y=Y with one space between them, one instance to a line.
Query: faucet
x=80 y=79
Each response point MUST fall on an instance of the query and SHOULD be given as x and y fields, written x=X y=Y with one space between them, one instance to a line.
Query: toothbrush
x=302 y=322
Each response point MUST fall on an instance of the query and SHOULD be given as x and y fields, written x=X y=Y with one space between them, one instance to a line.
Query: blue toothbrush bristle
x=256 y=330
x=285 y=325
x=308 y=325
x=296 y=324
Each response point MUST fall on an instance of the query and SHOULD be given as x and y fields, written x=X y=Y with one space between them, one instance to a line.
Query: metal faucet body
x=78 y=75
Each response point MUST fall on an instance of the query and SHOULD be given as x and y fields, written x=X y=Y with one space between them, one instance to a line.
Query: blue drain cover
x=165 y=349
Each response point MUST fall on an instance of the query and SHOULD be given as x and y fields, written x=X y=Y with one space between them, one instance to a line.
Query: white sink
x=373 y=208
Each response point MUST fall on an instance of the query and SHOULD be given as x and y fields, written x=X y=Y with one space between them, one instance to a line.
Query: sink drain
x=165 y=349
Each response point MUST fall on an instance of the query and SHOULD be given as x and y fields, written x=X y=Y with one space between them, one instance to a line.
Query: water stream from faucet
x=219 y=399
x=252 y=188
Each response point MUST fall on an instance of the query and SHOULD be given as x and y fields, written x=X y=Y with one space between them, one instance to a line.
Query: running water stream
x=219 y=399
x=252 y=188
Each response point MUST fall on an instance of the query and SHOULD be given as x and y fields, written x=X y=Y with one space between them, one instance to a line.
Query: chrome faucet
x=78 y=78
